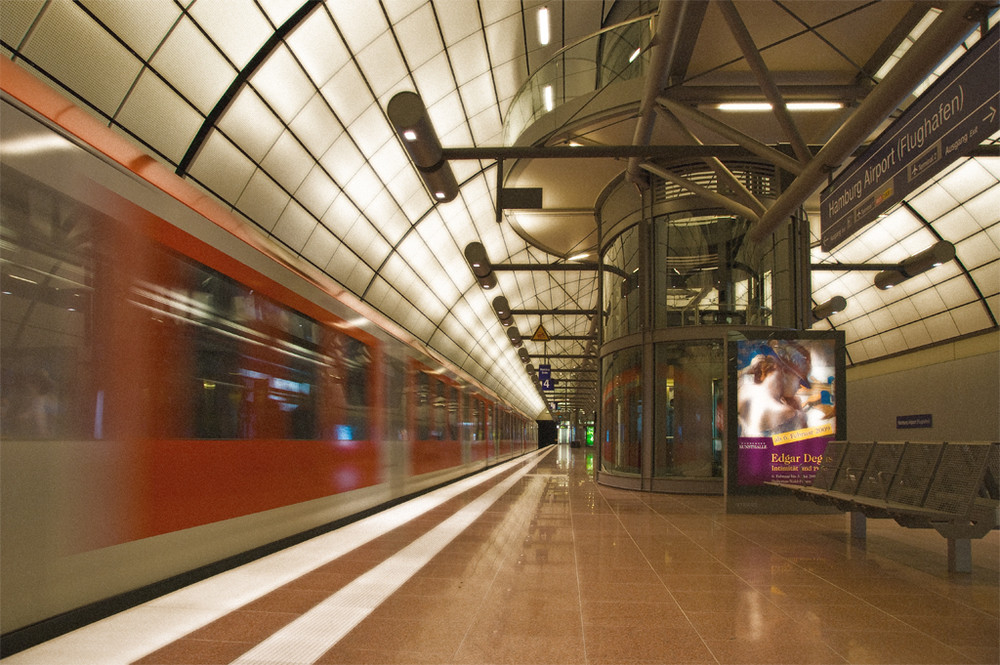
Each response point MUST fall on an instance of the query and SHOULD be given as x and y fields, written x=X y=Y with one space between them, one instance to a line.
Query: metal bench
x=953 y=488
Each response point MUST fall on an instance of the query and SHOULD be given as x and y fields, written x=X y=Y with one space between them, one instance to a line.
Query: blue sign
x=955 y=114
x=919 y=421
x=545 y=377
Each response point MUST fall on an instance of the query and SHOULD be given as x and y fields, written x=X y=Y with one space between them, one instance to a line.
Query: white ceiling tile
x=408 y=190
x=389 y=160
x=163 y=119
x=348 y=94
x=941 y=326
x=933 y=202
x=294 y=226
x=371 y=130
x=458 y=19
x=262 y=200
x=956 y=225
x=64 y=23
x=317 y=191
x=382 y=65
x=280 y=11
x=418 y=37
x=900 y=224
x=141 y=25
x=984 y=207
x=434 y=81
x=916 y=335
x=967 y=180
x=976 y=251
x=250 y=124
x=283 y=84
x=367 y=242
x=971 y=318
x=956 y=291
x=486 y=127
x=380 y=208
x=468 y=59
x=478 y=96
x=221 y=167
x=398 y=10
x=316 y=126
x=237 y=26
x=364 y=186
x=288 y=162
x=319 y=48
x=320 y=246
x=988 y=278
x=360 y=21
x=360 y=277
x=340 y=216
x=343 y=159
x=192 y=65
x=893 y=341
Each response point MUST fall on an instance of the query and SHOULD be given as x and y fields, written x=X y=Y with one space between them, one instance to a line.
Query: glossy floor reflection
x=553 y=568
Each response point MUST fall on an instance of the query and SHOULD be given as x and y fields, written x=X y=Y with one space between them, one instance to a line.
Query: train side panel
x=173 y=395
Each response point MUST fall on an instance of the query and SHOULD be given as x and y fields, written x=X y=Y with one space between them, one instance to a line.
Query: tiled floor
x=538 y=564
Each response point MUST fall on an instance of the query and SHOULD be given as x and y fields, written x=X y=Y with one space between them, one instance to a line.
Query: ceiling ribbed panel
x=303 y=149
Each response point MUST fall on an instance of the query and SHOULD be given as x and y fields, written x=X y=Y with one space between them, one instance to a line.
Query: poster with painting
x=786 y=407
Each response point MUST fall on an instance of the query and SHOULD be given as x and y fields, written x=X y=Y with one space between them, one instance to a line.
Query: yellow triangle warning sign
x=540 y=335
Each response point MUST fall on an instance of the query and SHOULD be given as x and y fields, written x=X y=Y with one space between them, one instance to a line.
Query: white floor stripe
x=135 y=633
x=307 y=638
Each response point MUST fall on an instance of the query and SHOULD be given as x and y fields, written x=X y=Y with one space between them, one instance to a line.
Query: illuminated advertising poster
x=786 y=408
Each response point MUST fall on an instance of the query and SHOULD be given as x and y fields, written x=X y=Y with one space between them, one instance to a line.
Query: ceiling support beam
x=955 y=22
x=669 y=21
x=753 y=146
x=710 y=194
x=722 y=172
x=756 y=62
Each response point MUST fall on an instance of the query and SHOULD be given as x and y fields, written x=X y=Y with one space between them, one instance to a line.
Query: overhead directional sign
x=954 y=115
x=545 y=377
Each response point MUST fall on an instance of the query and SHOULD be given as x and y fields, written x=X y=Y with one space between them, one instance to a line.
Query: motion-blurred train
x=175 y=392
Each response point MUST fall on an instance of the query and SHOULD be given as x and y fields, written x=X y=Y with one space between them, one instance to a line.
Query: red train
x=174 y=391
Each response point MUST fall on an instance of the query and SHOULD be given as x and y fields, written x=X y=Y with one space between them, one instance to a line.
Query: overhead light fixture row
x=409 y=118
x=938 y=253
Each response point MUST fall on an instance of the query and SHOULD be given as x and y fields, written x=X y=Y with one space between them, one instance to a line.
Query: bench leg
x=959 y=555
x=859 y=524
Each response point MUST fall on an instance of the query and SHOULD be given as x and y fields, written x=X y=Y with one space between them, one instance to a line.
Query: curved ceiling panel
x=278 y=109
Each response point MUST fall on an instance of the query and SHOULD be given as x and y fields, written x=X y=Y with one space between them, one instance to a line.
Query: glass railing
x=616 y=53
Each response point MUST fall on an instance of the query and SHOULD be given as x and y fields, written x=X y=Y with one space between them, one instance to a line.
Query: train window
x=358 y=362
x=46 y=334
x=422 y=405
x=395 y=399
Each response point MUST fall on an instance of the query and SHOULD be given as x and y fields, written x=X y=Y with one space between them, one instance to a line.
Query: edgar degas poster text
x=785 y=402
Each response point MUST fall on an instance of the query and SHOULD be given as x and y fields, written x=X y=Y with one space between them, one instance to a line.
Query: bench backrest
x=959 y=477
x=852 y=468
x=830 y=464
x=916 y=469
x=881 y=469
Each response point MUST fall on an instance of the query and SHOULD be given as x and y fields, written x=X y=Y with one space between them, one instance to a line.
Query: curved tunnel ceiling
x=278 y=109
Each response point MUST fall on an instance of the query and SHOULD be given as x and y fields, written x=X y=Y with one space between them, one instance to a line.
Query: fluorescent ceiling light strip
x=548 y=98
x=791 y=106
x=154 y=625
x=544 y=31
x=314 y=633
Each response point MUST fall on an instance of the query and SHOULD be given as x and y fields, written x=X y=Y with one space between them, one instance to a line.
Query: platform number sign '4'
x=545 y=377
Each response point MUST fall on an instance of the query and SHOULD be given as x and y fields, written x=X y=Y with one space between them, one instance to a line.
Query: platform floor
x=532 y=562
